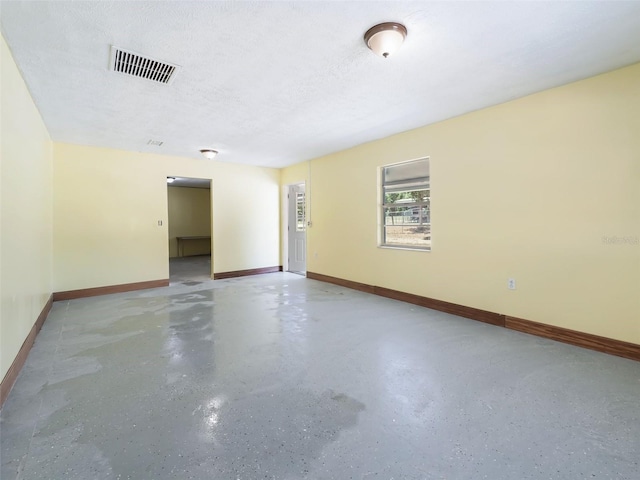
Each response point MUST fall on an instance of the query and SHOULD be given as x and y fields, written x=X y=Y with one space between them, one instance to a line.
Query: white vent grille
x=131 y=63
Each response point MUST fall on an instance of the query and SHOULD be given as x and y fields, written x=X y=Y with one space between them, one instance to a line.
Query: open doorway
x=189 y=229
x=296 y=229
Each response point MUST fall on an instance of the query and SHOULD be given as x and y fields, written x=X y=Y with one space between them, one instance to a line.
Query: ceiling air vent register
x=125 y=61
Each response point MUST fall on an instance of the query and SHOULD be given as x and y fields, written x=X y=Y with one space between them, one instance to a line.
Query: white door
x=297 y=229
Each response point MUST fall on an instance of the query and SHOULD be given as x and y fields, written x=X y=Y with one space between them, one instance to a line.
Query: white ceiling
x=274 y=83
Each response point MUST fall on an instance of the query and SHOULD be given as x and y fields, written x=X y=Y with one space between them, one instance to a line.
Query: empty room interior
x=320 y=240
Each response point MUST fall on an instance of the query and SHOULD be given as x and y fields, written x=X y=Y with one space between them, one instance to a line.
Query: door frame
x=285 y=223
x=166 y=219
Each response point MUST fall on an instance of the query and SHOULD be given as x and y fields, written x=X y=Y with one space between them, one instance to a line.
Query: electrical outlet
x=511 y=284
x=159 y=223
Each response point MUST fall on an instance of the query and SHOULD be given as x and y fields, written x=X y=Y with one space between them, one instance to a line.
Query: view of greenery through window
x=406 y=205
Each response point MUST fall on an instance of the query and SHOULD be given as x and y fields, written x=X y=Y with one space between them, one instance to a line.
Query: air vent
x=131 y=63
x=155 y=143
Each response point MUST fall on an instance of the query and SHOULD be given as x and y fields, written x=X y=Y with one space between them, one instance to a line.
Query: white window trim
x=380 y=212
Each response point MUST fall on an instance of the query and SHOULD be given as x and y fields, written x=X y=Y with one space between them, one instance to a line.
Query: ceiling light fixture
x=208 y=153
x=385 y=39
x=171 y=179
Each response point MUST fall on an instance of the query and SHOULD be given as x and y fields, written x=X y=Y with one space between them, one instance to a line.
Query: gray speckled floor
x=280 y=377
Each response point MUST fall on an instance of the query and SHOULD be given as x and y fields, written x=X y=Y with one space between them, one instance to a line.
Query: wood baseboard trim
x=564 y=335
x=573 y=337
x=96 y=291
x=244 y=273
x=18 y=362
x=363 y=287
x=440 y=305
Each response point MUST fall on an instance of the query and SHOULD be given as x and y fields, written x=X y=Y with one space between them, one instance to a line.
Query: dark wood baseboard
x=442 y=306
x=244 y=273
x=18 y=362
x=448 y=307
x=95 y=291
x=573 y=337
x=363 y=287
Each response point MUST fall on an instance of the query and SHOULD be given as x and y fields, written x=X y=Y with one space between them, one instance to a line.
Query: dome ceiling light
x=385 y=39
x=208 y=153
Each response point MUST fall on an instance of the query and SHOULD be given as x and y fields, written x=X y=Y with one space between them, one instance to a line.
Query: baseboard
x=573 y=337
x=564 y=335
x=244 y=273
x=18 y=362
x=363 y=287
x=95 y=291
x=442 y=306
x=453 y=308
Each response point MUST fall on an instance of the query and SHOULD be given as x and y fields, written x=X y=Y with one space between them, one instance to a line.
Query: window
x=406 y=205
x=300 y=212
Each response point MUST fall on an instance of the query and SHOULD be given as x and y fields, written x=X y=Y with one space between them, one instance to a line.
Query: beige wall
x=107 y=204
x=544 y=189
x=189 y=215
x=533 y=189
x=298 y=173
x=26 y=214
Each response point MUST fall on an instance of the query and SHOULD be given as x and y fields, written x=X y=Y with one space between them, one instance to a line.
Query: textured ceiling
x=274 y=83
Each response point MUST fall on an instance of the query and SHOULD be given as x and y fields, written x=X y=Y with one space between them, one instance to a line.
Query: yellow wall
x=26 y=215
x=544 y=189
x=534 y=189
x=189 y=215
x=298 y=173
x=107 y=204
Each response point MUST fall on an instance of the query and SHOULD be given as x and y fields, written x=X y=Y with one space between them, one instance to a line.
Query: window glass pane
x=404 y=215
x=301 y=223
x=416 y=184
x=407 y=196
x=408 y=236
x=406 y=171
x=406 y=205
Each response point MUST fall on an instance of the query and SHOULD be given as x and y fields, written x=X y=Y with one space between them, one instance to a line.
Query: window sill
x=412 y=249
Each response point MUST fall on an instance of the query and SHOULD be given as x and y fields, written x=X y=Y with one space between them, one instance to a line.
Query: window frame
x=423 y=183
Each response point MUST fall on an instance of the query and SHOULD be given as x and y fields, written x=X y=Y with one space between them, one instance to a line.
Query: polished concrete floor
x=280 y=377
x=188 y=270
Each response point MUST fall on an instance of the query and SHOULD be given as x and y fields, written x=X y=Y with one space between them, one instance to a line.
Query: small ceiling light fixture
x=171 y=179
x=385 y=39
x=208 y=153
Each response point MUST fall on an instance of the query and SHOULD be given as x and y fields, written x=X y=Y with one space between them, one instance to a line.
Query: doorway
x=297 y=229
x=189 y=229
